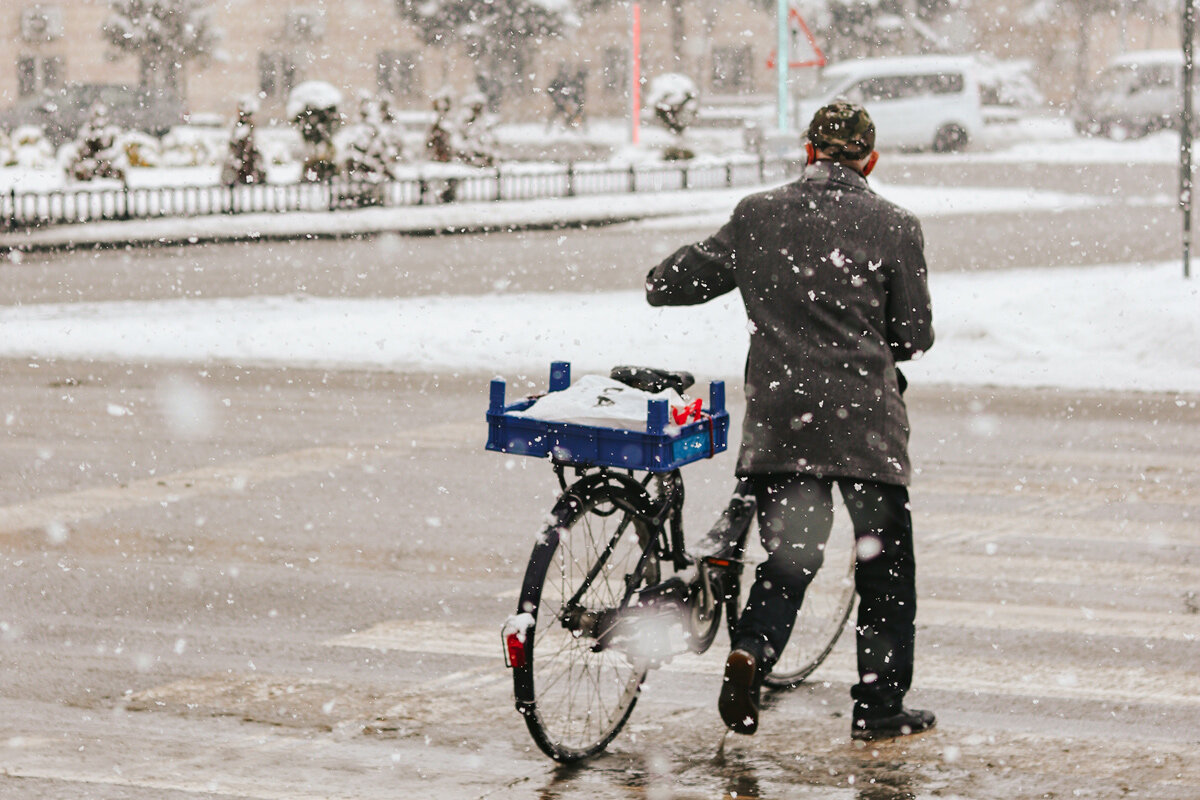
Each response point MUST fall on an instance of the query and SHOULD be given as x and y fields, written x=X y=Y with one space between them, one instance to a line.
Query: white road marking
x=225 y=787
x=953 y=565
x=1061 y=495
x=1078 y=621
x=975 y=674
x=1076 y=521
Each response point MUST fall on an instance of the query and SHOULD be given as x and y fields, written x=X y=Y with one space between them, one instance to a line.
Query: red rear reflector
x=718 y=562
x=514 y=648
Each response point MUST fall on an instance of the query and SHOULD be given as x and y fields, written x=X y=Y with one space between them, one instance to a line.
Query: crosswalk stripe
x=1059 y=496
x=936 y=672
x=1081 y=527
x=1072 y=621
x=935 y=563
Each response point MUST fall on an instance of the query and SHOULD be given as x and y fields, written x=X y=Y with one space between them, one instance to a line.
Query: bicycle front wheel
x=574 y=692
x=822 y=617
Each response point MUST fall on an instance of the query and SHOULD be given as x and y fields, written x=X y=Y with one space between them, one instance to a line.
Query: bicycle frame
x=717 y=578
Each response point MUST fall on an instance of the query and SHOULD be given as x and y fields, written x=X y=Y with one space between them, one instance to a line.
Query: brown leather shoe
x=739 y=693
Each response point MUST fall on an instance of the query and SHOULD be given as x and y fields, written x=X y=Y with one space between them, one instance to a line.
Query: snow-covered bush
x=279 y=144
x=313 y=107
x=140 y=150
x=676 y=102
x=27 y=147
x=475 y=139
x=367 y=150
x=192 y=146
x=97 y=151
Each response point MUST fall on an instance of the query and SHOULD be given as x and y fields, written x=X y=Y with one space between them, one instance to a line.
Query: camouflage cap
x=844 y=130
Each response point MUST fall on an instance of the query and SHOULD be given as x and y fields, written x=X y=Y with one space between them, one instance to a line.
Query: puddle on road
x=811 y=758
x=736 y=772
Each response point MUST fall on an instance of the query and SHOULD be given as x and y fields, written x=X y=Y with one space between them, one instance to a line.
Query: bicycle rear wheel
x=574 y=693
x=822 y=617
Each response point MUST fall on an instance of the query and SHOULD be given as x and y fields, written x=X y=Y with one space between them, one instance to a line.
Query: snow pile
x=672 y=89
x=313 y=96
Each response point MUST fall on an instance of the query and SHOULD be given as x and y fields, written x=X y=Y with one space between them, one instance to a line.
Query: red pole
x=636 y=89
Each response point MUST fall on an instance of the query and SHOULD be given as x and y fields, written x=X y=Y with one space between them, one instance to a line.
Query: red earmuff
x=810 y=153
x=871 y=162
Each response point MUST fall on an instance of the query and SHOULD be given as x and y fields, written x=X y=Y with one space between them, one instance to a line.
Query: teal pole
x=1185 y=132
x=783 y=54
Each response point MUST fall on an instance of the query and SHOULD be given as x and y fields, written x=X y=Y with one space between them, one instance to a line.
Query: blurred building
x=269 y=46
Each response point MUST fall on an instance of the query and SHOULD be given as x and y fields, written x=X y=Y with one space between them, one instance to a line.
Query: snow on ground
x=1127 y=326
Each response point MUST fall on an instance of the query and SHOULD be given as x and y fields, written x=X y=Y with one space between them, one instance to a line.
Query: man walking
x=834 y=283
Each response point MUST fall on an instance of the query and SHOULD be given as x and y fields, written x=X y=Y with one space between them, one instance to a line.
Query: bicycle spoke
x=581 y=696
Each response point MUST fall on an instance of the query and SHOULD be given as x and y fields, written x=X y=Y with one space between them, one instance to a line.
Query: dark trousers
x=795 y=516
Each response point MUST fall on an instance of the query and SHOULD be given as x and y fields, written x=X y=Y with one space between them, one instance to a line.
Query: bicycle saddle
x=649 y=379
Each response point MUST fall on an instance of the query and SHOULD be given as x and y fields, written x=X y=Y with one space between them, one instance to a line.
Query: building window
x=397 y=73
x=614 y=79
x=731 y=69
x=34 y=74
x=52 y=72
x=27 y=77
x=40 y=24
x=304 y=25
x=276 y=74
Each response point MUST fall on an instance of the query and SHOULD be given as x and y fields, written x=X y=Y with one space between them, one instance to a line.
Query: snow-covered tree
x=676 y=102
x=368 y=149
x=243 y=161
x=164 y=35
x=96 y=153
x=860 y=28
x=475 y=141
x=313 y=107
x=499 y=35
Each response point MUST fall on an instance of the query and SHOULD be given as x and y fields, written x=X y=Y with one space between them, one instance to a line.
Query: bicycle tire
x=822 y=617
x=574 y=698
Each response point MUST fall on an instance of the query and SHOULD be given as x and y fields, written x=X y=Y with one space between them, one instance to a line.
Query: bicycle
x=611 y=591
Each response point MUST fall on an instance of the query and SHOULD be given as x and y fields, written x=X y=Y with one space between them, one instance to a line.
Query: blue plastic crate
x=660 y=448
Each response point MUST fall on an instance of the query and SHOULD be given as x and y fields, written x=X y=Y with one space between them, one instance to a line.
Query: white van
x=916 y=102
x=1137 y=93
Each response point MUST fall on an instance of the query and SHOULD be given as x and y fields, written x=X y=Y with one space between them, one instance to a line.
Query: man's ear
x=810 y=153
x=872 y=160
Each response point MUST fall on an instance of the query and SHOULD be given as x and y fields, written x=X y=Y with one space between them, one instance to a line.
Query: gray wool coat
x=834 y=282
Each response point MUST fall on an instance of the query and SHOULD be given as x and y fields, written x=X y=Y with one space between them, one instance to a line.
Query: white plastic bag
x=596 y=400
